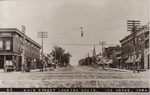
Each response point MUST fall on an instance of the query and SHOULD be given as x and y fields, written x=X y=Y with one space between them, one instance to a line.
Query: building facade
x=118 y=59
x=11 y=48
x=110 y=54
x=141 y=49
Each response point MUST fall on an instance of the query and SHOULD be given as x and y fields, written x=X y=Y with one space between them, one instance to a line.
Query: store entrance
x=1 y=62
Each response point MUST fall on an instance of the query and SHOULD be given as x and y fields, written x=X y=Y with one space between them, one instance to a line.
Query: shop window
x=7 y=45
x=1 y=45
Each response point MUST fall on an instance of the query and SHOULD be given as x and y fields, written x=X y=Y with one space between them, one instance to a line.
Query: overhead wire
x=73 y=30
x=77 y=44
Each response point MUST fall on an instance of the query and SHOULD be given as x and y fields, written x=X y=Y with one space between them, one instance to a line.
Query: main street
x=76 y=77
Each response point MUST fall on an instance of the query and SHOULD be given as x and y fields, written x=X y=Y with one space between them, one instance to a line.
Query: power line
x=106 y=20
x=66 y=32
x=78 y=44
x=89 y=25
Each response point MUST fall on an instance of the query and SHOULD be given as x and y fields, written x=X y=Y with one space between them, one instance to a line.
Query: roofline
x=147 y=25
x=18 y=31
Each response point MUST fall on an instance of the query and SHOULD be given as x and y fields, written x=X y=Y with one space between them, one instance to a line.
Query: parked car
x=8 y=66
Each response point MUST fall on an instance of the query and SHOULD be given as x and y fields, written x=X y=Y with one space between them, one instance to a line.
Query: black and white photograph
x=98 y=47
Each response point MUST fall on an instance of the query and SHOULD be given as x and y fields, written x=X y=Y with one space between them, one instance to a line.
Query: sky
x=101 y=20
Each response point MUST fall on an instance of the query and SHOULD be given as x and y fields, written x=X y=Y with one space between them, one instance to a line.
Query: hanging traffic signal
x=81 y=32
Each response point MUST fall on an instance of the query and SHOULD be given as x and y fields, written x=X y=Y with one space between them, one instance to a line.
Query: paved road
x=76 y=77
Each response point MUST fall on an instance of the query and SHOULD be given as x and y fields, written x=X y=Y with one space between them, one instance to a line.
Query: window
x=7 y=45
x=1 y=45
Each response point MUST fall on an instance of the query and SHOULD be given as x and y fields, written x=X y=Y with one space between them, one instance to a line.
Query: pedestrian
x=109 y=66
x=14 y=63
x=5 y=67
x=23 y=68
x=134 y=67
x=45 y=65
x=138 y=67
x=42 y=66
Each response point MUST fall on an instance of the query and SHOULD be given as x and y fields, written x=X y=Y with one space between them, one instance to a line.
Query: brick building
x=141 y=49
x=11 y=47
x=110 y=53
x=118 y=59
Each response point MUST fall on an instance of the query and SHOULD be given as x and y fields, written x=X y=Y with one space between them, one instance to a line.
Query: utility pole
x=42 y=35
x=23 y=48
x=102 y=43
x=133 y=26
x=55 y=54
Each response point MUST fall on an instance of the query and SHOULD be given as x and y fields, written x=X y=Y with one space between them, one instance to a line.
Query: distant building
x=94 y=57
x=11 y=47
x=118 y=59
x=110 y=54
x=141 y=49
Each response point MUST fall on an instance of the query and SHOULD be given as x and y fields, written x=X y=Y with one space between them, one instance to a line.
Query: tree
x=81 y=62
x=60 y=56
x=57 y=53
x=66 y=58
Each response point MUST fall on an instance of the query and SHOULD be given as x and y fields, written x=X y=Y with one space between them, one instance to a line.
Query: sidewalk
x=127 y=70
x=122 y=70
x=1 y=70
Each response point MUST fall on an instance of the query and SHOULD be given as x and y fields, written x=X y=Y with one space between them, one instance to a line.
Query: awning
x=110 y=61
x=138 y=59
x=133 y=59
x=118 y=58
x=99 y=62
x=128 y=60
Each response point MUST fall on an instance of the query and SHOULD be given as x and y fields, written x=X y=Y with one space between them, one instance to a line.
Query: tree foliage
x=61 y=57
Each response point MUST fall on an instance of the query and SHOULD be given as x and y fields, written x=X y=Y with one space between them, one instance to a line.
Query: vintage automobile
x=8 y=66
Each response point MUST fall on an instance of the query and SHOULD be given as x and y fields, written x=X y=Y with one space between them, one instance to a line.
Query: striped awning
x=118 y=58
x=128 y=60
x=110 y=61
x=133 y=59
x=138 y=59
x=100 y=62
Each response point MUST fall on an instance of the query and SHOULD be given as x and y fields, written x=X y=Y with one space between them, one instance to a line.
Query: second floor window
x=7 y=45
x=1 y=45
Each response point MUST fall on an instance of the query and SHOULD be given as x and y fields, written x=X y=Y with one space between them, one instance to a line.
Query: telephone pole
x=23 y=48
x=42 y=35
x=133 y=26
x=102 y=43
